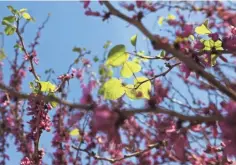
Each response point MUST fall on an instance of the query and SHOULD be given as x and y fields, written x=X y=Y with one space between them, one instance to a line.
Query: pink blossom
x=129 y=7
x=199 y=45
x=89 y=12
x=105 y=120
x=185 y=69
x=214 y=36
x=86 y=3
x=179 y=147
x=26 y=161
x=228 y=128
x=187 y=30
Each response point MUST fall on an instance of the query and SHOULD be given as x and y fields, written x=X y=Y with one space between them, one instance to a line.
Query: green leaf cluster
x=114 y=88
x=10 y=21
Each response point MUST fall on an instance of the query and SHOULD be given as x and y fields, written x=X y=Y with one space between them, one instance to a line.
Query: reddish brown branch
x=25 y=51
x=127 y=112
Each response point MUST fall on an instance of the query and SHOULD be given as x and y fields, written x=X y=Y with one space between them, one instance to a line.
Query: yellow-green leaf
x=26 y=16
x=202 y=29
x=113 y=89
x=75 y=132
x=129 y=68
x=143 y=85
x=2 y=54
x=117 y=56
x=218 y=45
x=213 y=59
x=133 y=40
x=13 y=11
x=162 y=54
x=46 y=86
x=209 y=44
x=9 y=30
x=8 y=20
x=205 y=23
x=160 y=20
x=22 y=10
x=107 y=44
x=192 y=37
x=171 y=17
x=53 y=103
x=132 y=93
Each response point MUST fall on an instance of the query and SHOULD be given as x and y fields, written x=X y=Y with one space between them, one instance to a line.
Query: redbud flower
x=105 y=120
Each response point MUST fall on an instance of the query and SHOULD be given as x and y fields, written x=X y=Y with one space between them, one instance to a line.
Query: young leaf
x=77 y=49
x=113 y=89
x=117 y=56
x=12 y=10
x=218 y=45
x=46 y=86
x=143 y=85
x=213 y=59
x=22 y=10
x=31 y=84
x=171 y=17
x=162 y=54
x=202 y=30
x=75 y=132
x=53 y=103
x=191 y=37
x=26 y=16
x=132 y=93
x=8 y=19
x=160 y=21
x=2 y=54
x=95 y=59
x=107 y=44
x=129 y=68
x=205 y=23
x=9 y=30
x=133 y=40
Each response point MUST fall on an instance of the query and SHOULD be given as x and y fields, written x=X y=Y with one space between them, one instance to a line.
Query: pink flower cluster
x=107 y=121
x=228 y=128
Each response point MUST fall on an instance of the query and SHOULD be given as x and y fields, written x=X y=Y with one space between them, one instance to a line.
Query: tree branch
x=112 y=160
x=25 y=51
x=128 y=112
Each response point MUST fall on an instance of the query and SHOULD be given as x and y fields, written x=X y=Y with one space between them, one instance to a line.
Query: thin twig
x=135 y=154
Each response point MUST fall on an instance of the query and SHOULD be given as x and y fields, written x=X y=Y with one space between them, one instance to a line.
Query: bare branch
x=112 y=160
x=127 y=112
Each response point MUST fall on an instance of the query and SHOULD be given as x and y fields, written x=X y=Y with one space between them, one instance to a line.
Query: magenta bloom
x=187 y=30
x=228 y=127
x=87 y=97
x=106 y=121
x=160 y=91
x=26 y=161
x=198 y=45
x=185 y=69
x=214 y=36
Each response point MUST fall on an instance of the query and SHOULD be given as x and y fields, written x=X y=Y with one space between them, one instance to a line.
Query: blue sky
x=67 y=27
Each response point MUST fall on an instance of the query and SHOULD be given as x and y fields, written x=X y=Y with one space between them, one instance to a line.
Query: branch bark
x=128 y=112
